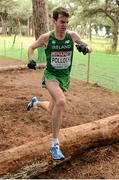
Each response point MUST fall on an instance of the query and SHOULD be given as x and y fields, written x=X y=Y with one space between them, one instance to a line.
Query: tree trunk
x=19 y=67
x=28 y=27
x=2 y=23
x=115 y=37
x=18 y=27
x=33 y=29
x=4 y=28
x=83 y=31
x=15 y=35
x=40 y=14
x=17 y=30
x=33 y=158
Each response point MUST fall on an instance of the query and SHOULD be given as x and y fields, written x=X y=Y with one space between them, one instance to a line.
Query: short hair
x=60 y=10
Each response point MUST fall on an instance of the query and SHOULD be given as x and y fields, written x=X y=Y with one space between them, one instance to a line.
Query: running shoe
x=33 y=102
x=56 y=153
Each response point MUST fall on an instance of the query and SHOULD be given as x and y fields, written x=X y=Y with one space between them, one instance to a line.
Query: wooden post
x=4 y=48
x=88 y=70
x=21 y=50
x=33 y=158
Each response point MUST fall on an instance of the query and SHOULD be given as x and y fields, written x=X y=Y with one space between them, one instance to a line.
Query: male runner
x=59 y=46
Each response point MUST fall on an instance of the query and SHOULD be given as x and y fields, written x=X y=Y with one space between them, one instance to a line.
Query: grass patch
x=104 y=69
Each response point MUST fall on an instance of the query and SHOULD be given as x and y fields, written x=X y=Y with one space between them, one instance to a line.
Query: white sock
x=36 y=102
x=55 y=141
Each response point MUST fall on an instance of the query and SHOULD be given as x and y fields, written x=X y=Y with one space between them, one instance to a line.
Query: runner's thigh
x=55 y=90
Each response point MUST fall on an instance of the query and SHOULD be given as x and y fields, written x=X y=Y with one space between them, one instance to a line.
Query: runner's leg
x=59 y=106
x=47 y=105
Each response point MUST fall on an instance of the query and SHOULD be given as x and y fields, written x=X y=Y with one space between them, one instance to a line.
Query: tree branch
x=117 y=1
x=101 y=10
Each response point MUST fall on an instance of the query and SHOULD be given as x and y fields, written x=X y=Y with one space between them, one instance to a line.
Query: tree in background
x=51 y=5
x=40 y=18
x=16 y=17
x=109 y=9
x=5 y=7
x=88 y=13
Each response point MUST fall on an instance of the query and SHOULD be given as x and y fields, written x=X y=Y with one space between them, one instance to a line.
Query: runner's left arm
x=80 y=45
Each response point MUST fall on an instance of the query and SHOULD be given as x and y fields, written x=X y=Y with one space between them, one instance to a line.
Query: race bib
x=61 y=59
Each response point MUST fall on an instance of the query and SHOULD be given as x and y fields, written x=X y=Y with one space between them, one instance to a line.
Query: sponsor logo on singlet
x=53 y=42
x=67 y=41
x=61 y=59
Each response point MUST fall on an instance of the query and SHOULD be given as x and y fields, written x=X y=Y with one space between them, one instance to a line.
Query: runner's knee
x=61 y=102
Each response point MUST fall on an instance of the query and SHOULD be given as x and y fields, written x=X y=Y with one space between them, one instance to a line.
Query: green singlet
x=59 y=55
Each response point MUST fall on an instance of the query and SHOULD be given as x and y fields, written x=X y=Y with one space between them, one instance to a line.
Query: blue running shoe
x=56 y=153
x=33 y=102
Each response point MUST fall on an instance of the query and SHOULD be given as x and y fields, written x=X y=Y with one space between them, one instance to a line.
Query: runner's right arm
x=40 y=42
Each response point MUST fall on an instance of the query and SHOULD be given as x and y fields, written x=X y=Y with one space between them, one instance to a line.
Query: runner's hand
x=82 y=48
x=31 y=64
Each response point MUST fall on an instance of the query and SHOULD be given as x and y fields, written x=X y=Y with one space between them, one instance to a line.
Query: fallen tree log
x=19 y=67
x=33 y=158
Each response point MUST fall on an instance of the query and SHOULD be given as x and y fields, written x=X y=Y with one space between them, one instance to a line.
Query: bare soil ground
x=85 y=103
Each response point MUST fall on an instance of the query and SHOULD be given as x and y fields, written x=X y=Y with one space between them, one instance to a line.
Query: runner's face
x=61 y=24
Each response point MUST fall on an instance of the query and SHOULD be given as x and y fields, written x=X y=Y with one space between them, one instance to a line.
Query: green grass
x=20 y=48
x=104 y=67
x=102 y=45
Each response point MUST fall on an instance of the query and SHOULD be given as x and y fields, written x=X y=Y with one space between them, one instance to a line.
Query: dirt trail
x=85 y=103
